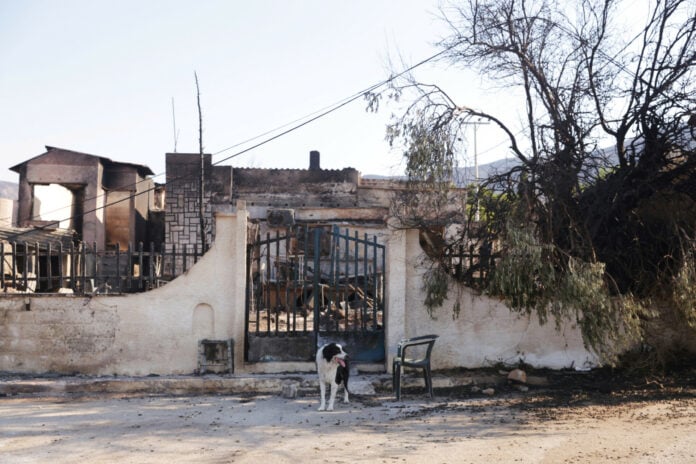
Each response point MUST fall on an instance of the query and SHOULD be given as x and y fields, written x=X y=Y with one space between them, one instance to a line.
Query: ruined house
x=106 y=203
x=312 y=245
x=275 y=198
x=78 y=217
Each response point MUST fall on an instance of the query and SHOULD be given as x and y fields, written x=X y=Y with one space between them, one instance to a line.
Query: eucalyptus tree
x=595 y=222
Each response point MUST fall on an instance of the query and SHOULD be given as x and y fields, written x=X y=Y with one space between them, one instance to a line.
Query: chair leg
x=428 y=380
x=396 y=380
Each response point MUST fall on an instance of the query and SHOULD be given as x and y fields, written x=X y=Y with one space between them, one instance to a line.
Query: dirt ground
x=576 y=419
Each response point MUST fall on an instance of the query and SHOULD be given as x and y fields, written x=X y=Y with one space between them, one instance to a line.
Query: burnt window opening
x=58 y=206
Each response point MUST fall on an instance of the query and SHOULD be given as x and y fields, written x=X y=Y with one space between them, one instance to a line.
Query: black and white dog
x=332 y=368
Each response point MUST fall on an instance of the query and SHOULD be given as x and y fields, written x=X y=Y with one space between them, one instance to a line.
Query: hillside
x=8 y=190
x=465 y=175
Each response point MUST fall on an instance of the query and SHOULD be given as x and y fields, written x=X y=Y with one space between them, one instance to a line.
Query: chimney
x=314 y=161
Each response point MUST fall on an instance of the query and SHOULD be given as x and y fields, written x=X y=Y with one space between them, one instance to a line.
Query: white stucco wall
x=149 y=333
x=486 y=331
x=158 y=332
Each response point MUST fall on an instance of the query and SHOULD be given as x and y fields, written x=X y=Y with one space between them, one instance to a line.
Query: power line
x=321 y=113
x=336 y=106
x=326 y=110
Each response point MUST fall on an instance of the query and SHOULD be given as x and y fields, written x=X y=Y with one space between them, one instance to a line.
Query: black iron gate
x=312 y=284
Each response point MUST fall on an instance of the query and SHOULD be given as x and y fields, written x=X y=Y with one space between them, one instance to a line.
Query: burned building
x=106 y=203
x=313 y=255
x=80 y=218
x=275 y=198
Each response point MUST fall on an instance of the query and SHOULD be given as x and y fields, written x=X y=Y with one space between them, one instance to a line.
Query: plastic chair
x=401 y=360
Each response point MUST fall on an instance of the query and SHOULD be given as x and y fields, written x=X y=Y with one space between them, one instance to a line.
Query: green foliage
x=608 y=323
x=429 y=156
x=525 y=275
x=436 y=287
x=533 y=277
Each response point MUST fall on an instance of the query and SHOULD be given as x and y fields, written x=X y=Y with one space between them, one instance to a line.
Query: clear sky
x=99 y=77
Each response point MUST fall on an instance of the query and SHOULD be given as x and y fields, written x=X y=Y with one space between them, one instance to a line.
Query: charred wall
x=296 y=187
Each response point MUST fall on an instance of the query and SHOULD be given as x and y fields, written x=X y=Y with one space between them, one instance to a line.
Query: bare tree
x=201 y=180
x=585 y=234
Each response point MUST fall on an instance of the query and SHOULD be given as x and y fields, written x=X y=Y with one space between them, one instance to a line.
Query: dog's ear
x=330 y=351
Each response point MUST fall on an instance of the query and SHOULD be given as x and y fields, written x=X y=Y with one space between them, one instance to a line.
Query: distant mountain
x=604 y=158
x=8 y=190
x=466 y=175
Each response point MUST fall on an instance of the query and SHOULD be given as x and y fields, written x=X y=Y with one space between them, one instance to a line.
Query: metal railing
x=471 y=265
x=32 y=267
x=333 y=277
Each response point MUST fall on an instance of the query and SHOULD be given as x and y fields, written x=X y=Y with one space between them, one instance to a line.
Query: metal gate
x=312 y=284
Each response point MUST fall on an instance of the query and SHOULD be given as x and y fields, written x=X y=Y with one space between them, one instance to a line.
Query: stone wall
x=322 y=188
x=182 y=212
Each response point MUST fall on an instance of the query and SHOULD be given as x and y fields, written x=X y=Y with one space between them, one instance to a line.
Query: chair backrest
x=416 y=341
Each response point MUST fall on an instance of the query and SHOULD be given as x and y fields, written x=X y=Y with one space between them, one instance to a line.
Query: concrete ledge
x=275 y=384
x=271 y=384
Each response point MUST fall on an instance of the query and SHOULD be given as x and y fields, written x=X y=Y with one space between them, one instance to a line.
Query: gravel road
x=531 y=427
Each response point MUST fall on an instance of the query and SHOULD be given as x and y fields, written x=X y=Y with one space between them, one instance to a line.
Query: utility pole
x=477 y=123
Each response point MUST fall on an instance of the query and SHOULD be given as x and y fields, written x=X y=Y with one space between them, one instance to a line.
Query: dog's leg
x=322 y=392
x=345 y=393
x=332 y=397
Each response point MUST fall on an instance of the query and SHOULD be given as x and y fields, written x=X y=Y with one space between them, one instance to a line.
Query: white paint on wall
x=158 y=332
x=486 y=332
x=148 y=333
x=6 y=212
